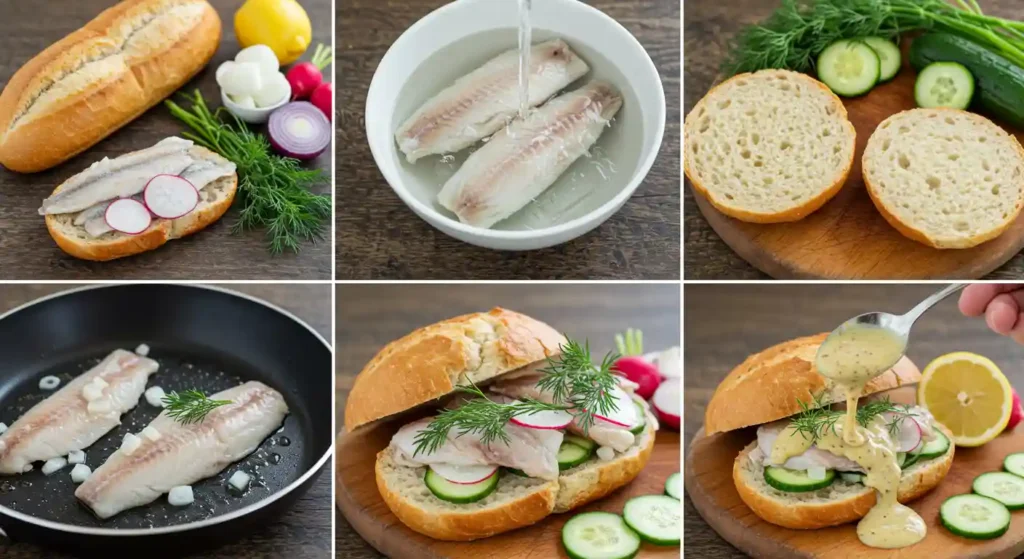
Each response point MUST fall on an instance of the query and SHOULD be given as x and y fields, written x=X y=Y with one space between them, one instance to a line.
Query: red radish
x=304 y=77
x=464 y=475
x=323 y=99
x=910 y=433
x=170 y=196
x=668 y=403
x=640 y=371
x=1017 y=413
x=549 y=419
x=667 y=362
x=625 y=415
x=128 y=216
x=299 y=130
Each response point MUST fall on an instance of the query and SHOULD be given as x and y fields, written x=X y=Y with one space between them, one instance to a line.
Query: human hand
x=1002 y=304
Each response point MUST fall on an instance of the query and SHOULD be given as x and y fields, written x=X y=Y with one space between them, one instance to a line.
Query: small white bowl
x=488 y=28
x=258 y=115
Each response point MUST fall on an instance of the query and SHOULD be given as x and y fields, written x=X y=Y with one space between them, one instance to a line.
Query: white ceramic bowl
x=485 y=28
x=258 y=115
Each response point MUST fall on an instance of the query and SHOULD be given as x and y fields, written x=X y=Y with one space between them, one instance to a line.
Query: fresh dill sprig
x=190 y=406
x=274 y=191
x=573 y=380
x=816 y=418
x=478 y=416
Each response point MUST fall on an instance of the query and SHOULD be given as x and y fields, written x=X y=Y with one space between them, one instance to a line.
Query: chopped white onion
x=130 y=443
x=54 y=464
x=240 y=480
x=817 y=473
x=155 y=396
x=606 y=453
x=49 y=383
x=3 y=427
x=181 y=496
x=142 y=350
x=76 y=457
x=151 y=433
x=80 y=473
x=99 y=406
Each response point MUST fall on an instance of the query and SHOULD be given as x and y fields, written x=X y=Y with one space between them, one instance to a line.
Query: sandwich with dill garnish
x=515 y=422
x=785 y=475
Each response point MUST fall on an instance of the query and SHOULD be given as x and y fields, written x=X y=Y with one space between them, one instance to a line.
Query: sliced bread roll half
x=944 y=177
x=768 y=147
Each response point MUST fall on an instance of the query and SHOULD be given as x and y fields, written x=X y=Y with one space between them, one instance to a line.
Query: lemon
x=969 y=395
x=282 y=25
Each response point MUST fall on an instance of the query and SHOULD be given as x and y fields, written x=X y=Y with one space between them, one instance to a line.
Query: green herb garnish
x=190 y=406
x=817 y=418
x=273 y=190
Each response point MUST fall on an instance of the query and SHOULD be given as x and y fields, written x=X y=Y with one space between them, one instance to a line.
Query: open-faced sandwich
x=518 y=424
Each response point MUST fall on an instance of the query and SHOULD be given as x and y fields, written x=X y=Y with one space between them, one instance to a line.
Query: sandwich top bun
x=770 y=385
x=430 y=362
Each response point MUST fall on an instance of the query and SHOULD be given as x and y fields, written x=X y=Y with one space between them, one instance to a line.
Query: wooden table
x=379 y=237
x=726 y=323
x=305 y=529
x=26 y=250
x=709 y=26
x=370 y=316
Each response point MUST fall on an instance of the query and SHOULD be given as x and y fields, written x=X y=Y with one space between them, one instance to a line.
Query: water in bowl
x=589 y=183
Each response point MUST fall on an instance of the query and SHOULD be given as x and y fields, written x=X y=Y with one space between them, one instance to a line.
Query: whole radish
x=304 y=77
x=323 y=99
x=638 y=370
x=1017 y=413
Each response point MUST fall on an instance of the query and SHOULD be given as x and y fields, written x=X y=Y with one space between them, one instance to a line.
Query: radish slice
x=128 y=216
x=668 y=402
x=668 y=363
x=464 y=475
x=910 y=433
x=626 y=415
x=550 y=419
x=170 y=196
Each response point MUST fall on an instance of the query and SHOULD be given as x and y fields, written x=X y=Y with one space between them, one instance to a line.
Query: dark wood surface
x=709 y=25
x=370 y=316
x=305 y=529
x=26 y=250
x=379 y=237
x=726 y=323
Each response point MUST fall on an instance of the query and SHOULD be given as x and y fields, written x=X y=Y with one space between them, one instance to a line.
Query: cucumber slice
x=849 y=67
x=579 y=441
x=901 y=458
x=910 y=460
x=1014 y=463
x=888 y=55
x=852 y=477
x=674 y=486
x=599 y=535
x=1004 y=487
x=514 y=471
x=643 y=419
x=657 y=518
x=975 y=516
x=458 y=492
x=570 y=456
x=796 y=481
x=935 y=447
x=944 y=84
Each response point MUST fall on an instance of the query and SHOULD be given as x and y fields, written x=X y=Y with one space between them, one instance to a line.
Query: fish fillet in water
x=482 y=102
x=68 y=420
x=184 y=454
x=522 y=161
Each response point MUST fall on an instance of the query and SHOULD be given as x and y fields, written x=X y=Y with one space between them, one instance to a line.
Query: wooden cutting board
x=708 y=482
x=360 y=502
x=847 y=238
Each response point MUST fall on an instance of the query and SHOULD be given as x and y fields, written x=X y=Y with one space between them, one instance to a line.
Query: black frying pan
x=203 y=338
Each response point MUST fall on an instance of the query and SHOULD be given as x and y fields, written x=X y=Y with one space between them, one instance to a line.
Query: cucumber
x=944 y=84
x=656 y=518
x=1014 y=463
x=674 y=486
x=888 y=55
x=599 y=535
x=796 y=481
x=579 y=441
x=935 y=447
x=852 y=477
x=999 y=83
x=458 y=492
x=975 y=517
x=901 y=458
x=643 y=419
x=849 y=67
x=570 y=456
x=910 y=460
x=514 y=471
x=1004 y=487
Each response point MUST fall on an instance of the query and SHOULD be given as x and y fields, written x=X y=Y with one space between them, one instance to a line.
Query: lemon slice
x=968 y=394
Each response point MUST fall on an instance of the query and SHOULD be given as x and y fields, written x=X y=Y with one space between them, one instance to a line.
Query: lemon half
x=969 y=395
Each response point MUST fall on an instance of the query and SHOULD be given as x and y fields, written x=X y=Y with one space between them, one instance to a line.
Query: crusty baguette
x=766 y=386
x=768 y=147
x=214 y=201
x=838 y=503
x=944 y=177
x=102 y=76
x=431 y=361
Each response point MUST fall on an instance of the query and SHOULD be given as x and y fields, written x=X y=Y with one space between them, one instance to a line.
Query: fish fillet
x=63 y=422
x=185 y=454
x=522 y=161
x=482 y=102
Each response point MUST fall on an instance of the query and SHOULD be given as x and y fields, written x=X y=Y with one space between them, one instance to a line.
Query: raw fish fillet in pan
x=519 y=163
x=482 y=102
x=172 y=454
x=77 y=415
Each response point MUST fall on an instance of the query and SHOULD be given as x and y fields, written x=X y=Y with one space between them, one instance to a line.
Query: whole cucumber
x=999 y=82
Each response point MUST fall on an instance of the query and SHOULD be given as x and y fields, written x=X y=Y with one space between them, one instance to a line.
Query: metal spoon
x=898 y=324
